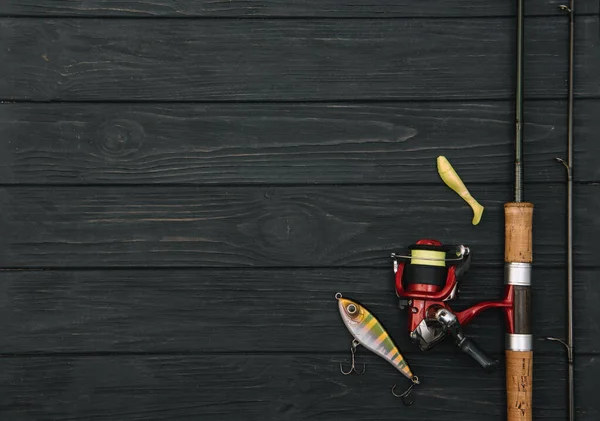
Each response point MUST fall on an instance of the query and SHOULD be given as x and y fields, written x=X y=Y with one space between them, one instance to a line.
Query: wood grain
x=291 y=60
x=273 y=226
x=171 y=241
x=240 y=310
x=248 y=8
x=287 y=143
x=270 y=387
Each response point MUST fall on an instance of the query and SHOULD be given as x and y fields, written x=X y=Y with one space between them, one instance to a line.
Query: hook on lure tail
x=404 y=395
x=369 y=332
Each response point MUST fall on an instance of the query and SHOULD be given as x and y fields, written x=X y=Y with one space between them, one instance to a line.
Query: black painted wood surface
x=273 y=226
x=290 y=59
x=185 y=185
x=287 y=143
x=281 y=8
x=257 y=387
x=102 y=311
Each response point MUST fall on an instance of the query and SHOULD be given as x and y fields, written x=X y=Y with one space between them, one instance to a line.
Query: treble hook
x=355 y=344
x=404 y=395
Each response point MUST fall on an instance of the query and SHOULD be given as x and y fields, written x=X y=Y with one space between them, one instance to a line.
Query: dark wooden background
x=186 y=184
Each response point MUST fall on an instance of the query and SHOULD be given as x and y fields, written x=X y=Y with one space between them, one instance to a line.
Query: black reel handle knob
x=450 y=321
x=483 y=358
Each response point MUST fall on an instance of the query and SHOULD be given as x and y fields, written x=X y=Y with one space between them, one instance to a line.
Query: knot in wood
x=119 y=138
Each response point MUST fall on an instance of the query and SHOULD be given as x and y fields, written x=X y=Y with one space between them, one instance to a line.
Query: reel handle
x=470 y=348
x=453 y=326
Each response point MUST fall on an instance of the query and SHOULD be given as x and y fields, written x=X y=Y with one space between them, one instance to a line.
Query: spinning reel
x=426 y=279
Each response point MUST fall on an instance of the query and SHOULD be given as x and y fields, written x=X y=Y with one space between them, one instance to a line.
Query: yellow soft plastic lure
x=452 y=180
x=369 y=332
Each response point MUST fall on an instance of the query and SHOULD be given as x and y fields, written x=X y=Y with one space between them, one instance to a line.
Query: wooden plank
x=249 y=8
x=273 y=226
x=274 y=387
x=255 y=60
x=264 y=310
x=295 y=143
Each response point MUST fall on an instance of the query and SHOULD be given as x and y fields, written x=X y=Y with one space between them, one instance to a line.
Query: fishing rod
x=569 y=168
x=428 y=273
x=518 y=258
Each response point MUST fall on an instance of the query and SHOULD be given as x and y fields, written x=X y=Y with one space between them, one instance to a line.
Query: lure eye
x=352 y=309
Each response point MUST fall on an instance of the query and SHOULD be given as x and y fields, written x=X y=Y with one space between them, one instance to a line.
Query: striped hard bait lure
x=369 y=332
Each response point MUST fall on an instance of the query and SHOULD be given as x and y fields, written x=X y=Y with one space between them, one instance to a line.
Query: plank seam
x=355 y=101
x=473 y=100
x=342 y=353
x=249 y=268
x=281 y=17
x=277 y=185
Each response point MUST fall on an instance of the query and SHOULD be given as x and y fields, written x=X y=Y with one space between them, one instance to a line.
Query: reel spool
x=430 y=270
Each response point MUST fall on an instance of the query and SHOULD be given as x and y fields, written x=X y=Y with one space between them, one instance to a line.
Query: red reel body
x=426 y=279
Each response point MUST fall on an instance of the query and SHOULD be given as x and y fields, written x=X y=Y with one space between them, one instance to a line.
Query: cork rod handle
x=519 y=363
x=518 y=222
x=519 y=385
